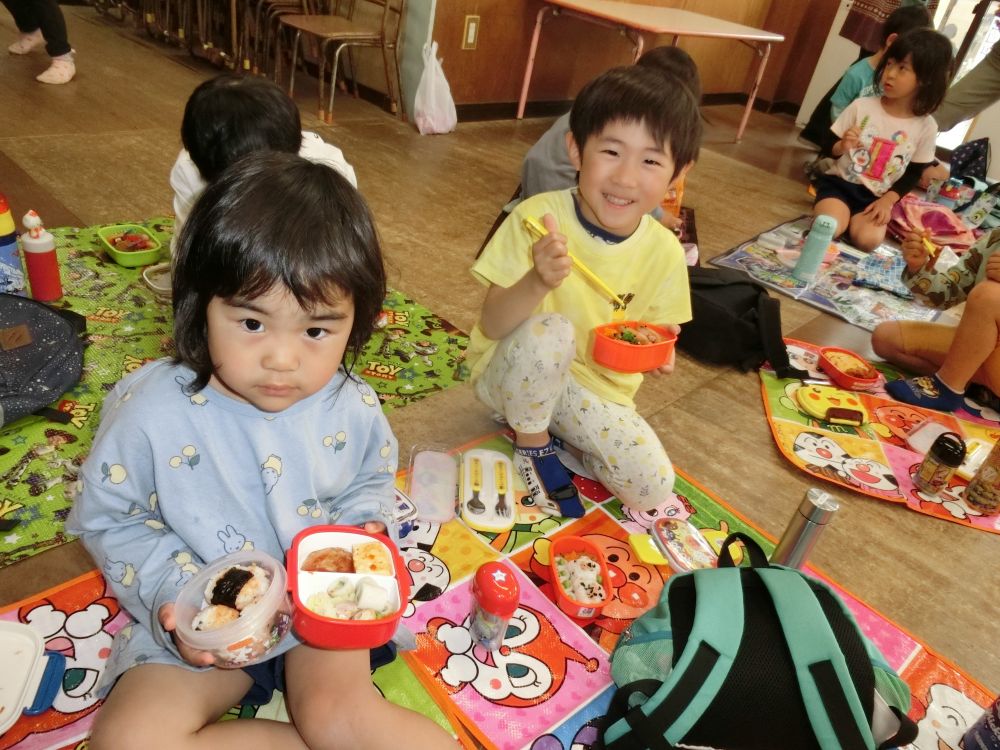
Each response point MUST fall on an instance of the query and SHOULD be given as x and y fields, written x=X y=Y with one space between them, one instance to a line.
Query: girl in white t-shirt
x=886 y=141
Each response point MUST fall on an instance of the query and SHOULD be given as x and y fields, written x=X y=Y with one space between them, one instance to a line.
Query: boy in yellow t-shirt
x=631 y=138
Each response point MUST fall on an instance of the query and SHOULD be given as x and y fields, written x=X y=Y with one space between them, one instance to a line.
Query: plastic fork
x=537 y=230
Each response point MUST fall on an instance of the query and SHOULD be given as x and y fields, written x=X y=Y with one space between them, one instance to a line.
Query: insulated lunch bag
x=752 y=658
x=734 y=321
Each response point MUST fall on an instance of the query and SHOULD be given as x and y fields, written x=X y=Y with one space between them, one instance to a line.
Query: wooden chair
x=343 y=32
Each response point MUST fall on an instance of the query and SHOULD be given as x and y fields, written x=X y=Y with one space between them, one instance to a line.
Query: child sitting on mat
x=229 y=116
x=948 y=358
x=257 y=430
x=631 y=137
x=547 y=165
x=886 y=141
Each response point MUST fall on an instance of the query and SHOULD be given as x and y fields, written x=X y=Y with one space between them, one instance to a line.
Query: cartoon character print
x=587 y=737
x=196 y=399
x=949 y=715
x=120 y=572
x=951 y=497
x=893 y=422
x=716 y=537
x=640 y=521
x=83 y=637
x=822 y=456
x=635 y=586
x=981 y=410
x=234 y=541
x=429 y=577
x=517 y=674
x=270 y=472
x=805 y=359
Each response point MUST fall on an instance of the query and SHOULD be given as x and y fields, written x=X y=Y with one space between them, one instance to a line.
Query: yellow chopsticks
x=538 y=231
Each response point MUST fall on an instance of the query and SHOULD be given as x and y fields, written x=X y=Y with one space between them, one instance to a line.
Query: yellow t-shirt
x=647 y=271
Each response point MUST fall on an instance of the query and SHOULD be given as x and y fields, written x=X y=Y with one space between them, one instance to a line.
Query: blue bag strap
x=670 y=711
x=832 y=704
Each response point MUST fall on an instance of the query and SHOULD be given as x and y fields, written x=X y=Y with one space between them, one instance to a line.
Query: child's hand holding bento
x=190 y=655
x=550 y=255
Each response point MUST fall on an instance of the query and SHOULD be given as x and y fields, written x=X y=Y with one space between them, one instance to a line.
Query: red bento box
x=571 y=547
x=323 y=631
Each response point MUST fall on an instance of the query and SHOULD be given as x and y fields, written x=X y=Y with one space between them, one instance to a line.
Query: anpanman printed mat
x=873 y=458
x=413 y=353
x=547 y=685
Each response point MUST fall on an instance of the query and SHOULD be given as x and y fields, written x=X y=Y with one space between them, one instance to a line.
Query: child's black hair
x=930 y=55
x=270 y=219
x=676 y=63
x=636 y=93
x=230 y=116
x=904 y=19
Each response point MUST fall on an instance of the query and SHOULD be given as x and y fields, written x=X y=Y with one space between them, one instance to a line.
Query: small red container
x=829 y=363
x=622 y=356
x=329 y=632
x=567 y=545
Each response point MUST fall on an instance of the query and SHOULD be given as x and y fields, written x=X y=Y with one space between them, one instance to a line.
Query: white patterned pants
x=529 y=382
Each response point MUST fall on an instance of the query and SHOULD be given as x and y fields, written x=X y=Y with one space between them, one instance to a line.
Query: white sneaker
x=61 y=70
x=27 y=43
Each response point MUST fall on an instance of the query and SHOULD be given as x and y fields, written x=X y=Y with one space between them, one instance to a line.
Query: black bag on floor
x=41 y=356
x=759 y=657
x=734 y=322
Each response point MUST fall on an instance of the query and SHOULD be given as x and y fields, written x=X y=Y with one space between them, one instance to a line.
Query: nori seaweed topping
x=229 y=585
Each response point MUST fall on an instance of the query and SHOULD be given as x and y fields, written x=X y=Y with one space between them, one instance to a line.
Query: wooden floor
x=100 y=150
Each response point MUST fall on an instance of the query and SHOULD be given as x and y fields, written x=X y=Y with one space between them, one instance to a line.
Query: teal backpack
x=759 y=657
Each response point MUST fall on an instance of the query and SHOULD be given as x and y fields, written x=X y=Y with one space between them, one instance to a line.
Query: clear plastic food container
x=237 y=608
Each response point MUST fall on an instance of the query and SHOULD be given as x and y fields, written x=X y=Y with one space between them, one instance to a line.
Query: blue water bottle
x=814 y=249
x=11 y=272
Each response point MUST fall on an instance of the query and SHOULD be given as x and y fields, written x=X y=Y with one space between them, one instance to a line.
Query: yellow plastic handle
x=500 y=477
x=476 y=474
x=538 y=231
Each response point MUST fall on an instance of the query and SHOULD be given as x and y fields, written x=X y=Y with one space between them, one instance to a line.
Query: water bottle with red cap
x=39 y=249
x=495 y=596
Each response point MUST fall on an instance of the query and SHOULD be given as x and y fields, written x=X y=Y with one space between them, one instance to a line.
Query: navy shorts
x=269 y=675
x=856 y=197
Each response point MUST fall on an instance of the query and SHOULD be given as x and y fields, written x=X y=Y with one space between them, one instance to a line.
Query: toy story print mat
x=874 y=457
x=548 y=684
x=413 y=353
x=769 y=258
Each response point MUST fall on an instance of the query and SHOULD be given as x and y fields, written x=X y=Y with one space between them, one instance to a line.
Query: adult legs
x=977 y=90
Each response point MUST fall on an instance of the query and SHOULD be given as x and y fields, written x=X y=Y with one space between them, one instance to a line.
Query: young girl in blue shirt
x=257 y=430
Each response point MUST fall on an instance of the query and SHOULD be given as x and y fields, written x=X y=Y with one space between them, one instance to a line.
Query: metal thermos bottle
x=804 y=528
x=814 y=249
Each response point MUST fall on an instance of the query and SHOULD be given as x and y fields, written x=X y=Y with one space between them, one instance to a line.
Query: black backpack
x=734 y=322
x=41 y=356
x=752 y=658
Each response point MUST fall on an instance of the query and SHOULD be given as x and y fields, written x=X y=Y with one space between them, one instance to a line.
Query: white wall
x=838 y=53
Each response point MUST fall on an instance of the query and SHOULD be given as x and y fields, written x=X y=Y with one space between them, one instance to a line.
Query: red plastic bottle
x=38 y=248
x=495 y=596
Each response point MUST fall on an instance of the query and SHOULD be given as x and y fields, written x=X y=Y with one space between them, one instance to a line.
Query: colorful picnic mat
x=874 y=458
x=833 y=288
x=413 y=353
x=549 y=682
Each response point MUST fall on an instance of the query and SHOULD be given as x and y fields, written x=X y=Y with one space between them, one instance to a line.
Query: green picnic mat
x=413 y=353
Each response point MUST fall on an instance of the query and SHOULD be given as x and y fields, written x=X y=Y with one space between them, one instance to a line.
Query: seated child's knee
x=650 y=490
x=985 y=294
x=334 y=724
x=885 y=338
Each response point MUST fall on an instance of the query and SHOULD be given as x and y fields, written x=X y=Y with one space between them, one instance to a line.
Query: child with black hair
x=630 y=138
x=547 y=165
x=229 y=116
x=257 y=430
x=859 y=79
x=886 y=141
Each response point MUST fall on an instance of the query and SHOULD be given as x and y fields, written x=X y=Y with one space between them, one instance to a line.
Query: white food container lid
x=22 y=665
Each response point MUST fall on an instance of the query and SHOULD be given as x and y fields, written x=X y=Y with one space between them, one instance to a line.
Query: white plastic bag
x=433 y=107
